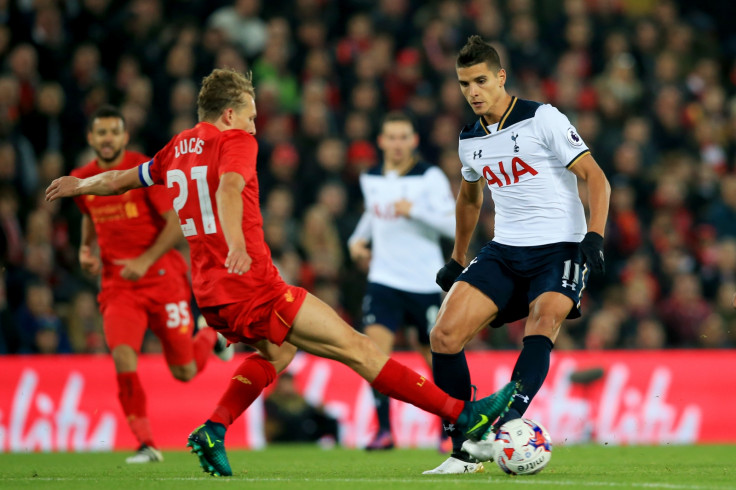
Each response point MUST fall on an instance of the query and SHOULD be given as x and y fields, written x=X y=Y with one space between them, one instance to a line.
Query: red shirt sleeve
x=155 y=169
x=238 y=153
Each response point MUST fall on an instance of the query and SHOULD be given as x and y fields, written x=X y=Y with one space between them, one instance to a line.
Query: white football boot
x=456 y=466
x=481 y=450
x=145 y=454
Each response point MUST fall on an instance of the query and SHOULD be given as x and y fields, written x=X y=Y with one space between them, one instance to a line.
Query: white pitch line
x=500 y=479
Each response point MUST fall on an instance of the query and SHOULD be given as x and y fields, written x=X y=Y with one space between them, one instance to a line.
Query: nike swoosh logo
x=209 y=441
x=483 y=421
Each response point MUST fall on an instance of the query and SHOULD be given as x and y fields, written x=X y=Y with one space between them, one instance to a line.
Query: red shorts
x=126 y=313
x=250 y=321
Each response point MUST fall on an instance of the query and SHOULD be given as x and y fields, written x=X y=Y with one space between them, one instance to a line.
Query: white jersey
x=525 y=159
x=406 y=252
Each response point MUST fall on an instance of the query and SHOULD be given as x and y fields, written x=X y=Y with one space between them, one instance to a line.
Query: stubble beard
x=108 y=161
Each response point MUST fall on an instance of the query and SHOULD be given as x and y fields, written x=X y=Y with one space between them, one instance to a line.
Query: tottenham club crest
x=573 y=137
x=513 y=138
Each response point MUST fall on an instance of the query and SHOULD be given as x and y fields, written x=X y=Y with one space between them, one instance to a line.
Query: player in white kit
x=408 y=206
x=530 y=157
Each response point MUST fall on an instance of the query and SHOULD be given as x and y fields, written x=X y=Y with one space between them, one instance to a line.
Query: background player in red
x=144 y=281
x=210 y=174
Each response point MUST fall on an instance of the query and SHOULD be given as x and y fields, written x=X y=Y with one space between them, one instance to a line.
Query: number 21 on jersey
x=199 y=175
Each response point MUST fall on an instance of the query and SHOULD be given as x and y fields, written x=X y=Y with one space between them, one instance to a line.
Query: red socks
x=400 y=382
x=203 y=343
x=133 y=400
x=249 y=379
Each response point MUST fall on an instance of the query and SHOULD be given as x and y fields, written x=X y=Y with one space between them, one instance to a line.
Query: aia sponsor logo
x=385 y=211
x=507 y=176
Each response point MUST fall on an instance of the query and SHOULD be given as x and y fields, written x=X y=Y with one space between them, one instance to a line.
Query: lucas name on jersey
x=192 y=145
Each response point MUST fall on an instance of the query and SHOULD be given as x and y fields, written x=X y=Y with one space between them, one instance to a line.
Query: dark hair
x=476 y=51
x=105 y=111
x=399 y=116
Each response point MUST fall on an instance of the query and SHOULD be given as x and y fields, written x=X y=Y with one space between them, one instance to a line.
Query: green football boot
x=478 y=416
x=208 y=442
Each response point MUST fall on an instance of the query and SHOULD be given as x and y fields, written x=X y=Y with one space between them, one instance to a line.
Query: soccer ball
x=522 y=447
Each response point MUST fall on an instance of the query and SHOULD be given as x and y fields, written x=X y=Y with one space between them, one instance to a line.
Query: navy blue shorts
x=394 y=308
x=514 y=276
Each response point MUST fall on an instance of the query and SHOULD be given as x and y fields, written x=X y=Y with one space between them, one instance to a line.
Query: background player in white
x=530 y=156
x=408 y=207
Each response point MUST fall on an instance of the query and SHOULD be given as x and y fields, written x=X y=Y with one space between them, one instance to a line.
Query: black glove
x=447 y=275
x=592 y=248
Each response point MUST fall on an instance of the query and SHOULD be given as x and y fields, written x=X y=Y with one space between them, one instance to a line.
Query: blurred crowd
x=650 y=85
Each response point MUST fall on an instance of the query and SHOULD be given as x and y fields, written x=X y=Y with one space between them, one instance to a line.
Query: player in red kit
x=144 y=281
x=209 y=172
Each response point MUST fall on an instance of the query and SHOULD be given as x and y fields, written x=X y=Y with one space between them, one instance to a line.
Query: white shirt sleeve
x=469 y=173
x=467 y=170
x=437 y=208
x=559 y=134
x=362 y=230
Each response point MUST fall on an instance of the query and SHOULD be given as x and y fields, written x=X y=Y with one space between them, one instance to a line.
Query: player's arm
x=599 y=191
x=104 y=184
x=134 y=269
x=359 y=240
x=88 y=259
x=435 y=210
x=230 y=212
x=467 y=211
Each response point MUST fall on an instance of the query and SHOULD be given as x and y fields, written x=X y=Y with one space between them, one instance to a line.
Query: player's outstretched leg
x=478 y=416
x=208 y=442
x=475 y=421
x=482 y=449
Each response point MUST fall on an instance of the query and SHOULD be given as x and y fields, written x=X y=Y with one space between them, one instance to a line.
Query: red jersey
x=190 y=166
x=127 y=225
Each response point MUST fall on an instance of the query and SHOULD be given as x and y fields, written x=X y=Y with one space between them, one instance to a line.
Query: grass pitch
x=309 y=467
